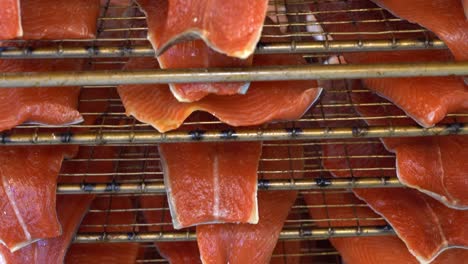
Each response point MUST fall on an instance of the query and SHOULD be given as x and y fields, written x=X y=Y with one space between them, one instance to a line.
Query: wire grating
x=289 y=22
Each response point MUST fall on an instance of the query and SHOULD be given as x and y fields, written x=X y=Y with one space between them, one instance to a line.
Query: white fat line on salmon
x=442 y=180
x=2 y=259
x=216 y=187
x=16 y=210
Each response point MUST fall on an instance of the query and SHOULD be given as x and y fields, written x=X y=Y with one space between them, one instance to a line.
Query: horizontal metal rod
x=286 y=234
x=264 y=48
x=145 y=137
x=270 y=185
x=273 y=73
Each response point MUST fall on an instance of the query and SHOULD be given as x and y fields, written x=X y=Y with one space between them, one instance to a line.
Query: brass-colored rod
x=286 y=234
x=152 y=137
x=273 y=73
x=263 y=48
x=270 y=185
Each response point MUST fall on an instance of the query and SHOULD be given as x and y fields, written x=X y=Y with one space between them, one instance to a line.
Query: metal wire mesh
x=291 y=22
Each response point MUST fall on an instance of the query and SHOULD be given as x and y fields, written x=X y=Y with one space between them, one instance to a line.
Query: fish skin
x=246 y=243
x=29 y=179
x=189 y=19
x=211 y=182
x=71 y=209
x=56 y=19
x=10 y=19
x=190 y=54
x=446 y=18
x=235 y=110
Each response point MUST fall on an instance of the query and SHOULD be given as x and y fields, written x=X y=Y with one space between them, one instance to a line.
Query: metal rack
x=119 y=158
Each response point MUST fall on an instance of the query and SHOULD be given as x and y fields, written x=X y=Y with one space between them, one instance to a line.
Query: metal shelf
x=288 y=234
x=270 y=185
x=330 y=46
x=275 y=73
x=153 y=137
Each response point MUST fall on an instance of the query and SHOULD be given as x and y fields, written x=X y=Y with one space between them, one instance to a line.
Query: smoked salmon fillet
x=57 y=19
x=446 y=18
x=232 y=27
x=211 y=182
x=174 y=252
x=190 y=54
x=111 y=214
x=271 y=101
x=434 y=165
x=366 y=250
x=27 y=194
x=195 y=54
x=426 y=226
x=246 y=243
x=100 y=253
x=71 y=209
x=10 y=19
x=48 y=105
x=426 y=99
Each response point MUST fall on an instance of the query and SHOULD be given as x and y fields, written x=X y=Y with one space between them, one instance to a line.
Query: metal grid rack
x=130 y=169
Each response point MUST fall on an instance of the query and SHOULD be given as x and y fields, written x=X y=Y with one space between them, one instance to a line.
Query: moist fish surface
x=111 y=214
x=426 y=99
x=211 y=182
x=190 y=54
x=10 y=19
x=215 y=22
x=365 y=250
x=174 y=252
x=450 y=24
x=434 y=165
x=71 y=209
x=46 y=105
x=56 y=19
x=271 y=101
x=246 y=243
x=426 y=226
x=29 y=176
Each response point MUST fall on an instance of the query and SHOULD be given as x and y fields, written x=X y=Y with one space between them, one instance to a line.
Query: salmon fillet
x=211 y=182
x=213 y=21
x=190 y=54
x=246 y=243
x=48 y=105
x=446 y=18
x=426 y=99
x=28 y=193
x=98 y=253
x=112 y=215
x=366 y=250
x=56 y=19
x=10 y=19
x=155 y=105
x=426 y=226
x=71 y=209
x=173 y=252
x=433 y=165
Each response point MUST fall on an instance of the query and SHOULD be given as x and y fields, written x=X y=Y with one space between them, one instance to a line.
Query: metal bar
x=274 y=73
x=270 y=185
x=145 y=137
x=286 y=234
x=263 y=48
